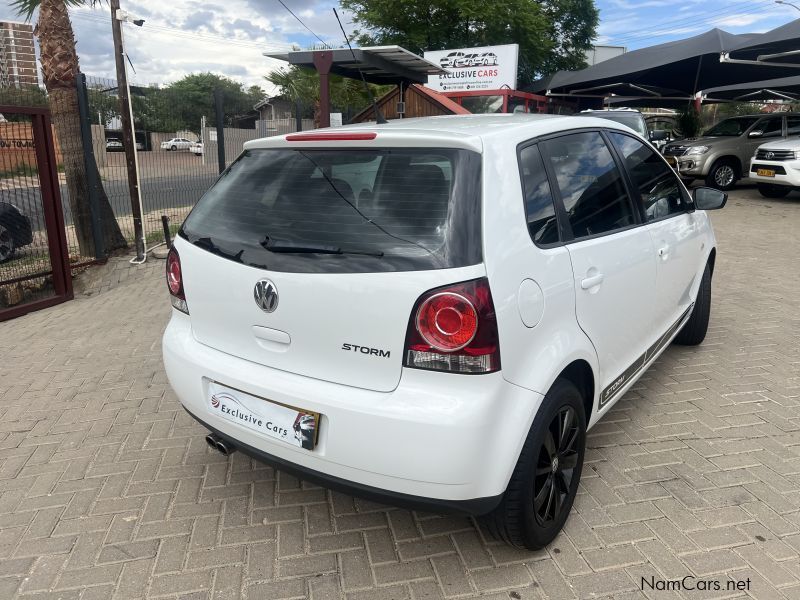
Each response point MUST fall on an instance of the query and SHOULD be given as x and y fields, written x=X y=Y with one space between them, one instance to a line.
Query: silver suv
x=722 y=155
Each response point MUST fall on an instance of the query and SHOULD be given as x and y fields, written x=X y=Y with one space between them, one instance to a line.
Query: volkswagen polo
x=433 y=312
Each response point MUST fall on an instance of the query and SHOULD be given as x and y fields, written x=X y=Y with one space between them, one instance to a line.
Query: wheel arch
x=729 y=158
x=580 y=373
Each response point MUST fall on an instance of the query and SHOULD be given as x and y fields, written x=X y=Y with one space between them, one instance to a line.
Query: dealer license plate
x=765 y=172
x=294 y=426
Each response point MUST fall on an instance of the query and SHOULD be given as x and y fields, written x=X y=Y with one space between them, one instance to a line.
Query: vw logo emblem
x=769 y=155
x=266 y=295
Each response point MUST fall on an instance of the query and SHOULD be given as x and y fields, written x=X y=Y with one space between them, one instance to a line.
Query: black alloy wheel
x=555 y=468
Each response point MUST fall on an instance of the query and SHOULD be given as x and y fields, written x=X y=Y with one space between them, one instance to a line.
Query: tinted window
x=633 y=120
x=735 y=126
x=770 y=127
x=340 y=211
x=539 y=208
x=792 y=126
x=590 y=184
x=659 y=188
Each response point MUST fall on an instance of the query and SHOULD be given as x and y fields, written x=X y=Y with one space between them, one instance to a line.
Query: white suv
x=432 y=312
x=775 y=168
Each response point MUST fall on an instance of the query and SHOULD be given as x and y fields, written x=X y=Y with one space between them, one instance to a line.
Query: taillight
x=454 y=328
x=175 y=281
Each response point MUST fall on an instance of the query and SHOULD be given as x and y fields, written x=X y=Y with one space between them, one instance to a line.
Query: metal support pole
x=219 y=113
x=128 y=137
x=90 y=166
x=323 y=60
x=167 y=234
x=298 y=115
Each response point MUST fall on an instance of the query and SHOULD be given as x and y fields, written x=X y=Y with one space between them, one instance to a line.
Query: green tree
x=60 y=67
x=552 y=34
x=183 y=103
x=299 y=83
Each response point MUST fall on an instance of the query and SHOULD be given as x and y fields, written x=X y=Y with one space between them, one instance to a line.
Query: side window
x=770 y=128
x=793 y=126
x=590 y=184
x=540 y=211
x=657 y=183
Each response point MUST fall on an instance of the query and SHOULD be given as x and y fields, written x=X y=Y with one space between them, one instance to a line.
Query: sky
x=229 y=36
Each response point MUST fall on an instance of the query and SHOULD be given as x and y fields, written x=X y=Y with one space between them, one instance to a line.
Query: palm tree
x=60 y=69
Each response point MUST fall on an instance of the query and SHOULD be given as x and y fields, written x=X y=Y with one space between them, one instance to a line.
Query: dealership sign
x=475 y=69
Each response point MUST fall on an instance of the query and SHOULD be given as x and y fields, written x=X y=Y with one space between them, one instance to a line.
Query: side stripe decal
x=612 y=390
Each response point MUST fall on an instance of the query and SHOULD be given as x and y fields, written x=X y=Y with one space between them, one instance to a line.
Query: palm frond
x=26 y=8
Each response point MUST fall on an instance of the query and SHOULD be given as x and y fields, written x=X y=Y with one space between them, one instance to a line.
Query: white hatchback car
x=775 y=168
x=432 y=312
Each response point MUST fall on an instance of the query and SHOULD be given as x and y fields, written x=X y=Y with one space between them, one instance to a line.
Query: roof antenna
x=379 y=118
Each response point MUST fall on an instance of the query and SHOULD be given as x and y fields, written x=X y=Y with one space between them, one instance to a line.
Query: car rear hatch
x=310 y=259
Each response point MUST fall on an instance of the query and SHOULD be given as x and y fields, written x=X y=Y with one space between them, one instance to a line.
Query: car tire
x=7 y=246
x=518 y=520
x=173 y=148
x=723 y=175
x=770 y=190
x=694 y=331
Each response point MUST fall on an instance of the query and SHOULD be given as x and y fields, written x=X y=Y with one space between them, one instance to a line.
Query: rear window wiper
x=288 y=247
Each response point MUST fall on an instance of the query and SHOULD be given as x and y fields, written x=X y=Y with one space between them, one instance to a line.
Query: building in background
x=600 y=53
x=17 y=55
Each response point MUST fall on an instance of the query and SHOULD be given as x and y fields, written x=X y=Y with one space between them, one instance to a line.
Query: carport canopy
x=382 y=65
x=674 y=71
x=777 y=47
x=786 y=88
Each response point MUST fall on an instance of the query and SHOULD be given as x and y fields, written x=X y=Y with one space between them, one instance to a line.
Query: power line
x=190 y=34
x=299 y=20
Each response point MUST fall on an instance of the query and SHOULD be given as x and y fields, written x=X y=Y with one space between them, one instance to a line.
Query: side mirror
x=755 y=134
x=706 y=198
x=656 y=135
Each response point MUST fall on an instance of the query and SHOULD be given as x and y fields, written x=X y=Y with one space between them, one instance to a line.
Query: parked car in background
x=176 y=144
x=369 y=309
x=776 y=168
x=115 y=145
x=632 y=118
x=722 y=154
x=196 y=148
x=15 y=230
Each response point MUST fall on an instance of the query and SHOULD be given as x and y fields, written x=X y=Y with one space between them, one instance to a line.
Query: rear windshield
x=344 y=211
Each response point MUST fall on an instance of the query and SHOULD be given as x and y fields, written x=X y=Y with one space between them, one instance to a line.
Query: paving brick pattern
x=107 y=488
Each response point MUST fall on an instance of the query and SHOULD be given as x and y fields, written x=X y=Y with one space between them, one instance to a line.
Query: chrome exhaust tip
x=226 y=448
x=220 y=445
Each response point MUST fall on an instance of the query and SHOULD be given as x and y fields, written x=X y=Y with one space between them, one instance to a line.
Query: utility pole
x=128 y=136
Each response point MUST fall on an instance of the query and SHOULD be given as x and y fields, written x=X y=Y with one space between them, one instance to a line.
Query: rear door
x=673 y=227
x=311 y=260
x=612 y=254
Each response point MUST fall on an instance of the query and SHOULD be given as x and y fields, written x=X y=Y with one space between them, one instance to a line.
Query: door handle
x=593 y=281
x=663 y=252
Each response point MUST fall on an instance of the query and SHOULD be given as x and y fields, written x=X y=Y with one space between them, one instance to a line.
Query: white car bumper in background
x=786 y=172
x=443 y=441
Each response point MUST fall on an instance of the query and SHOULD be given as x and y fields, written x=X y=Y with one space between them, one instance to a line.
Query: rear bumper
x=438 y=441
x=475 y=506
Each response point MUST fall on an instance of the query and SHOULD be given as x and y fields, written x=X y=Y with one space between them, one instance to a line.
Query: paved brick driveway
x=107 y=488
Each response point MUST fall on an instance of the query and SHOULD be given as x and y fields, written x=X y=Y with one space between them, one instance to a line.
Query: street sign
x=475 y=69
